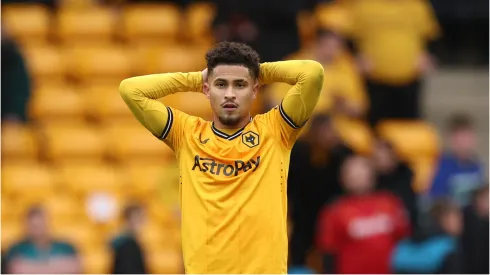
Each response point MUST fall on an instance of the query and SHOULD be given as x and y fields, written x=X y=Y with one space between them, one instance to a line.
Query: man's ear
x=205 y=90
x=255 y=89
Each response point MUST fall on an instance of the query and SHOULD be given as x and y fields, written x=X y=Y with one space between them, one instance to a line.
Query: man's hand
x=204 y=75
x=426 y=63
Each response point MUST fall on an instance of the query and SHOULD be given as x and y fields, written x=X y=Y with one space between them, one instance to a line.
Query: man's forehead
x=230 y=72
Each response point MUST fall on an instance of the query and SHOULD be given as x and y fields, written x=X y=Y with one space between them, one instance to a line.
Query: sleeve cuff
x=288 y=120
x=170 y=121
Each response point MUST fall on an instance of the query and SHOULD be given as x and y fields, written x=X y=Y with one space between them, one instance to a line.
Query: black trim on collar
x=225 y=135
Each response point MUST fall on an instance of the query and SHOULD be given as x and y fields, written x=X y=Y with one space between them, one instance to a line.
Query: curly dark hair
x=233 y=53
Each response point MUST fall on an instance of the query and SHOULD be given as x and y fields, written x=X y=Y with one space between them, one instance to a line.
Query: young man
x=459 y=172
x=433 y=250
x=128 y=255
x=233 y=169
x=39 y=252
x=357 y=233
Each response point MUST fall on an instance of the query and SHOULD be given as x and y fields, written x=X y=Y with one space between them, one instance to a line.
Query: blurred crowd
x=370 y=189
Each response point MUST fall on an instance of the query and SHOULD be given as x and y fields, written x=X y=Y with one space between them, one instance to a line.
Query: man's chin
x=229 y=120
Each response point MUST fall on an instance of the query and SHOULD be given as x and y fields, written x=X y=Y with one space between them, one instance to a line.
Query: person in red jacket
x=358 y=232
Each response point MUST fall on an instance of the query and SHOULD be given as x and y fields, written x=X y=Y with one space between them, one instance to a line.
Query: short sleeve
x=173 y=132
x=283 y=127
x=427 y=20
x=329 y=234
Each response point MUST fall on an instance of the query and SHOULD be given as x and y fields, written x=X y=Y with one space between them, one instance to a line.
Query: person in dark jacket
x=434 y=250
x=16 y=82
x=396 y=177
x=475 y=235
x=128 y=255
x=313 y=180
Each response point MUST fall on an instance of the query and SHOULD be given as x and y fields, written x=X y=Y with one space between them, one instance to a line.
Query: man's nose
x=230 y=94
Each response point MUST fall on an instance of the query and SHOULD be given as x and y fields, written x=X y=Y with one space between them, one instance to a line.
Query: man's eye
x=240 y=85
x=220 y=85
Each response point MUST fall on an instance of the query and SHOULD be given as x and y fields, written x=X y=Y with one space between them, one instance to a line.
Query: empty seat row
x=137 y=23
x=34 y=182
x=50 y=64
x=79 y=142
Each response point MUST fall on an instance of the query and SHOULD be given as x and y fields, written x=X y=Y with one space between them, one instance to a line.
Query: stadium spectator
x=315 y=160
x=16 y=85
x=39 y=252
x=357 y=233
x=270 y=27
x=395 y=176
x=392 y=39
x=459 y=171
x=475 y=234
x=343 y=90
x=436 y=250
x=128 y=254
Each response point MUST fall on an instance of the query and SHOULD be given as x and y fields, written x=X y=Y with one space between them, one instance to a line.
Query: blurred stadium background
x=70 y=144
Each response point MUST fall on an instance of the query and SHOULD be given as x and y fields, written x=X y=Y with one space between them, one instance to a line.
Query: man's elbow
x=315 y=71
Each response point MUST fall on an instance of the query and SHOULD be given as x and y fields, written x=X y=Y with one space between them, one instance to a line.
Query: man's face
x=37 y=227
x=357 y=175
x=231 y=91
x=329 y=46
x=464 y=142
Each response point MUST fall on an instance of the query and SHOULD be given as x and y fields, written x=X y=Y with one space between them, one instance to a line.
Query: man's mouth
x=230 y=106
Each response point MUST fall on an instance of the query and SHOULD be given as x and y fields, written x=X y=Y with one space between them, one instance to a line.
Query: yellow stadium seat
x=97 y=261
x=181 y=59
x=87 y=179
x=154 y=237
x=57 y=103
x=27 y=181
x=12 y=232
x=133 y=143
x=87 y=26
x=82 y=235
x=46 y=64
x=99 y=64
x=27 y=23
x=162 y=213
x=104 y=103
x=19 y=143
x=411 y=139
x=199 y=17
x=424 y=169
x=165 y=262
x=357 y=134
x=76 y=142
x=77 y=4
x=65 y=208
x=144 y=179
x=147 y=23
x=334 y=16
x=144 y=59
x=10 y=209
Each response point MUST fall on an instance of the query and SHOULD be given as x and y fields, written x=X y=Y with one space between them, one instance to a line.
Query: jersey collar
x=225 y=135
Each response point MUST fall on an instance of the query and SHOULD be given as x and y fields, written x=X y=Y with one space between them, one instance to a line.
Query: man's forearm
x=159 y=85
x=290 y=72
x=140 y=94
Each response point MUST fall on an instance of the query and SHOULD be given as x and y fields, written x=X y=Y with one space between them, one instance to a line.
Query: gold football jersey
x=233 y=192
